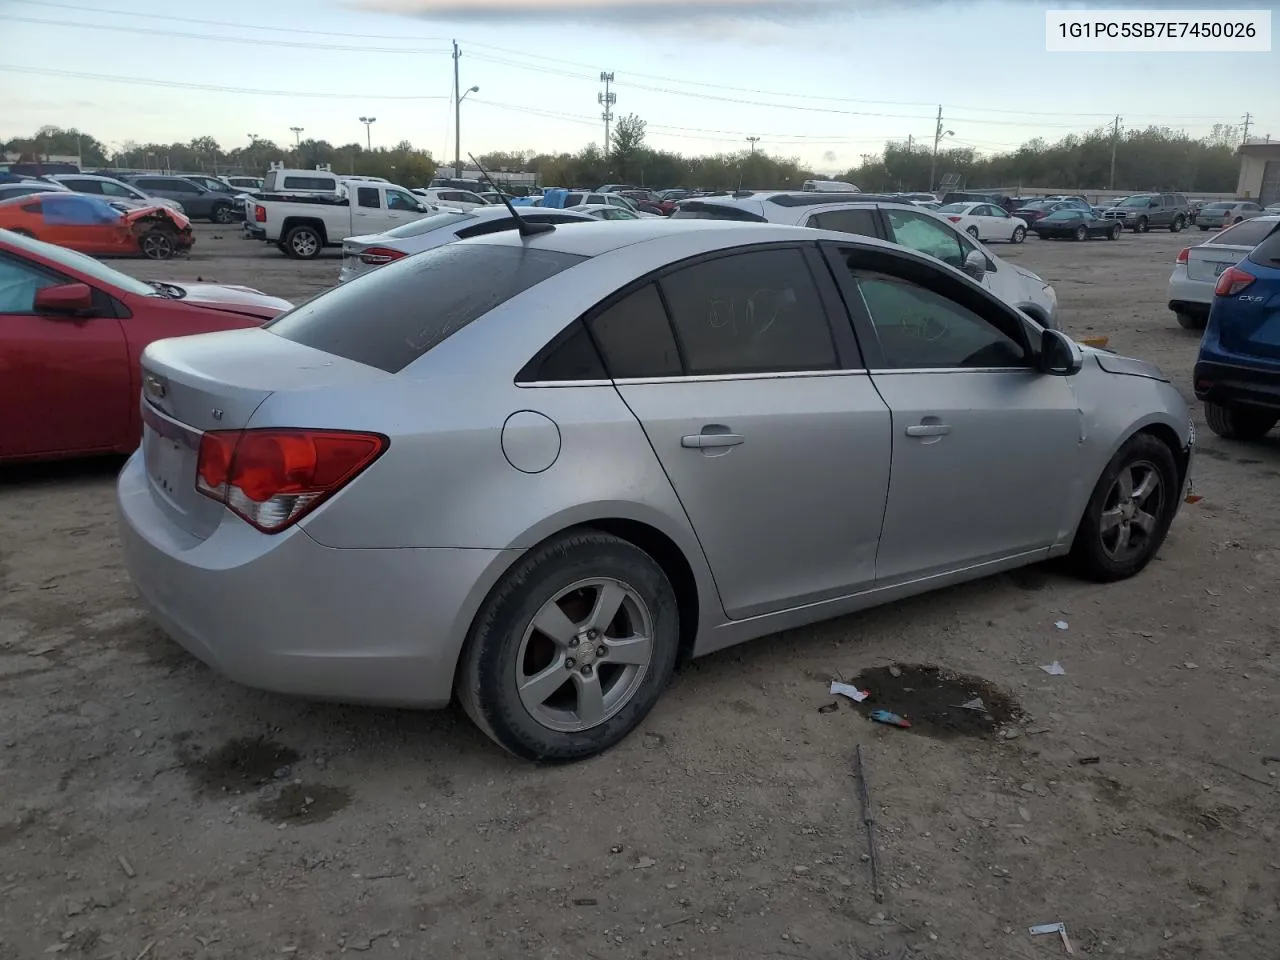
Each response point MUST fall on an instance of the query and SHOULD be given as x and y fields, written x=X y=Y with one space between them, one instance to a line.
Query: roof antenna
x=525 y=228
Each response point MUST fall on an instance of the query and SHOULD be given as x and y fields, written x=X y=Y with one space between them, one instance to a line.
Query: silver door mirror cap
x=1059 y=354
x=975 y=264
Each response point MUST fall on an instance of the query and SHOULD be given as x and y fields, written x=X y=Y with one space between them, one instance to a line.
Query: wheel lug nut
x=573 y=642
x=601 y=650
x=586 y=671
x=570 y=663
x=592 y=634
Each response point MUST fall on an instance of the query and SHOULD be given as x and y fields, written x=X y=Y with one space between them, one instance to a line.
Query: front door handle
x=706 y=440
x=929 y=430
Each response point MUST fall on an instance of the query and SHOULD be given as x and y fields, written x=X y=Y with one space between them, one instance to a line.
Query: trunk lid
x=217 y=381
x=1207 y=261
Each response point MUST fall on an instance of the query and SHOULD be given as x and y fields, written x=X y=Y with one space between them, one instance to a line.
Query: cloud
x=617 y=12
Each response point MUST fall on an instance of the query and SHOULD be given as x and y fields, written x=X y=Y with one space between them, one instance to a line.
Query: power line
x=182 y=85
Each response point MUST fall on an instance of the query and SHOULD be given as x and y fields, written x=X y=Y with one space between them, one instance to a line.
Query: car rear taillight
x=1232 y=281
x=954 y=219
x=259 y=213
x=272 y=478
x=1183 y=255
x=377 y=256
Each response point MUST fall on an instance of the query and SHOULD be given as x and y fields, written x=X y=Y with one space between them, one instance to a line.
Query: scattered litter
x=831 y=707
x=864 y=795
x=1194 y=498
x=1100 y=342
x=1191 y=666
x=895 y=671
x=849 y=690
x=126 y=866
x=1061 y=624
x=892 y=719
x=931 y=697
x=1085 y=761
x=975 y=704
x=1055 y=669
x=645 y=863
x=1011 y=733
x=1058 y=928
x=585 y=902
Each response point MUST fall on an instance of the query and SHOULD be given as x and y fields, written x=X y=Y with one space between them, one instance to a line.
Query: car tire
x=1081 y=233
x=157 y=245
x=1114 y=232
x=222 y=213
x=562 y=580
x=1238 y=220
x=1206 y=229
x=1239 y=423
x=1142 y=226
x=1177 y=225
x=972 y=231
x=303 y=243
x=1019 y=234
x=1190 y=321
x=1104 y=549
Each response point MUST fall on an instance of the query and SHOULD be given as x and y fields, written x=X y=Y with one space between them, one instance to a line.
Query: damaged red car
x=72 y=330
x=92 y=225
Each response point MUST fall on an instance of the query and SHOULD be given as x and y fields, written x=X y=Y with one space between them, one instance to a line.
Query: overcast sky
x=823 y=80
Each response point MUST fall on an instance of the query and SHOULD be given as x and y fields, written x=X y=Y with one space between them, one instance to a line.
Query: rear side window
x=694 y=210
x=753 y=312
x=861 y=222
x=635 y=337
x=367 y=197
x=1267 y=253
x=1247 y=233
x=309 y=183
x=392 y=316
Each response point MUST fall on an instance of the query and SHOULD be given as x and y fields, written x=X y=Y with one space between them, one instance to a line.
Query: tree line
x=1156 y=158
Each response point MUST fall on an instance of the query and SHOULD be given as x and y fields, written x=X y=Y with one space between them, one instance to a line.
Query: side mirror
x=422 y=207
x=1059 y=354
x=64 y=300
x=975 y=265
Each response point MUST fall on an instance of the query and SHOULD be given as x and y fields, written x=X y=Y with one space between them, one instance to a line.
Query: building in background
x=1259 y=172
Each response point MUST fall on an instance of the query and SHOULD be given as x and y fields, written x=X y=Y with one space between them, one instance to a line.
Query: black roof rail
x=815 y=198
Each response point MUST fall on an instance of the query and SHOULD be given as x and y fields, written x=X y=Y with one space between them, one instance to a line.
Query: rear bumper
x=286 y=614
x=1227 y=384
x=255 y=232
x=1187 y=295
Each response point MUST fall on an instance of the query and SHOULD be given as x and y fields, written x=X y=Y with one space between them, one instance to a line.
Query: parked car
x=1071 y=224
x=887 y=219
x=829 y=186
x=92 y=225
x=597 y=212
x=198 y=202
x=1237 y=374
x=72 y=330
x=113 y=190
x=249 y=185
x=25 y=188
x=212 y=184
x=579 y=536
x=1029 y=213
x=1143 y=211
x=980 y=196
x=362 y=254
x=304 y=224
x=985 y=221
x=1197 y=269
x=451 y=198
x=615 y=188
x=1226 y=212
x=1272 y=208
x=574 y=199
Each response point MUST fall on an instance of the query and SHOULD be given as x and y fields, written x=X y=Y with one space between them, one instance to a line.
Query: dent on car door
x=985 y=446
x=767 y=425
x=64 y=389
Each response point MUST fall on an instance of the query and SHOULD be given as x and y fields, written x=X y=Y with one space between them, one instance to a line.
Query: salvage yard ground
x=150 y=808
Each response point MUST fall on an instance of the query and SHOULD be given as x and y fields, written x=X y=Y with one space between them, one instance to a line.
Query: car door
x=996 y=224
x=64 y=385
x=402 y=207
x=763 y=418
x=368 y=213
x=985 y=446
x=79 y=222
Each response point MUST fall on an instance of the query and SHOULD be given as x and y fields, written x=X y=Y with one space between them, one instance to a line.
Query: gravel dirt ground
x=151 y=809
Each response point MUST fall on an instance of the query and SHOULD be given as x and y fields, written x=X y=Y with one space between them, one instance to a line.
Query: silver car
x=534 y=469
x=1197 y=269
x=116 y=191
x=1213 y=216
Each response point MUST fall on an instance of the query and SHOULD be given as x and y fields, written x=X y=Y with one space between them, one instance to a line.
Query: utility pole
x=1248 y=122
x=297 y=136
x=938 y=134
x=457 y=113
x=753 y=141
x=910 y=141
x=606 y=100
x=1115 y=140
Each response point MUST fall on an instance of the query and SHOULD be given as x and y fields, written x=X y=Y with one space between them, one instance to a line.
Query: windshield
x=1064 y=215
x=1137 y=201
x=416 y=228
x=80 y=263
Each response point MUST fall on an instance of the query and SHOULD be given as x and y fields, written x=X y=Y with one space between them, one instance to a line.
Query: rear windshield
x=1247 y=233
x=391 y=316
x=694 y=210
x=416 y=228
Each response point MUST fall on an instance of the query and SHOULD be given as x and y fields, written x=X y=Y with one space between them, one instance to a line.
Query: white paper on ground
x=848 y=690
x=1061 y=624
x=1055 y=669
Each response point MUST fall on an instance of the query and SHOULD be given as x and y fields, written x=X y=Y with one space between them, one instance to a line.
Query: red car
x=71 y=332
x=92 y=225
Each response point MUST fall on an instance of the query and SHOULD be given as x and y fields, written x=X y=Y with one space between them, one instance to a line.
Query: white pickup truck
x=302 y=224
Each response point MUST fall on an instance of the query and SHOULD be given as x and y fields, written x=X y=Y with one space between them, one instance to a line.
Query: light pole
x=297 y=135
x=938 y=134
x=753 y=141
x=368 y=131
x=457 y=131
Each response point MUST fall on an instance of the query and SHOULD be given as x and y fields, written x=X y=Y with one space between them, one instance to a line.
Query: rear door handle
x=702 y=441
x=929 y=430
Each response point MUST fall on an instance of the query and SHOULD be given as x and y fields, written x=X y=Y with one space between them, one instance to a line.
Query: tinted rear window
x=391 y=316
x=1248 y=233
x=693 y=210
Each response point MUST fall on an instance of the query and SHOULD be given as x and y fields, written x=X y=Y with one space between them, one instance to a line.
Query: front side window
x=18 y=285
x=754 y=312
x=926 y=235
x=920 y=329
x=184 y=186
x=391 y=316
x=109 y=189
x=397 y=200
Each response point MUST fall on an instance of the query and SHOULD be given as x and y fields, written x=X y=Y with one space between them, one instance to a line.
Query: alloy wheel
x=157 y=246
x=1131 y=511
x=305 y=244
x=584 y=655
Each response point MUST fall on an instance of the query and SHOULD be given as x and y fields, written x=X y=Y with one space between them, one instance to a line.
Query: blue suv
x=1237 y=373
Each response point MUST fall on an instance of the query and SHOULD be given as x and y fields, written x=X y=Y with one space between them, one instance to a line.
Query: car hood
x=1124 y=366
x=233 y=298
x=141 y=213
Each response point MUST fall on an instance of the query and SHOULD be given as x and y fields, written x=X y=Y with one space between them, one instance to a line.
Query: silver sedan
x=533 y=470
